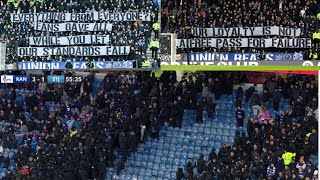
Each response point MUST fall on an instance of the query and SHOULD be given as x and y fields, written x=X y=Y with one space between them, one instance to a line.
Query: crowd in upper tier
x=304 y=14
x=136 y=34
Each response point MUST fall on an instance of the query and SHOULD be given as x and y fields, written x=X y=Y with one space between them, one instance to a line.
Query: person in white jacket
x=301 y=164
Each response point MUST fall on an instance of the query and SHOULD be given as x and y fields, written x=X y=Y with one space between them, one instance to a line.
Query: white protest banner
x=92 y=16
x=245 y=31
x=68 y=40
x=74 y=51
x=122 y=16
x=74 y=27
x=244 y=42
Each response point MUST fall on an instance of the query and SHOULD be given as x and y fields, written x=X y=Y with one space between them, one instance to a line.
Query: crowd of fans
x=72 y=131
x=64 y=131
x=127 y=33
x=177 y=15
x=274 y=147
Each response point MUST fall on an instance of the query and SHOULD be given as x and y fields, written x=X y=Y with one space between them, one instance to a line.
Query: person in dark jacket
x=240 y=115
x=265 y=98
x=314 y=140
x=239 y=93
x=201 y=164
x=255 y=103
x=123 y=143
x=180 y=174
x=155 y=128
x=276 y=97
x=249 y=92
x=213 y=154
x=199 y=112
x=133 y=141
x=102 y=166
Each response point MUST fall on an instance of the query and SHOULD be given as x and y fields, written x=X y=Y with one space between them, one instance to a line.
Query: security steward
x=146 y=63
x=262 y=56
x=313 y=55
x=154 y=47
x=156 y=28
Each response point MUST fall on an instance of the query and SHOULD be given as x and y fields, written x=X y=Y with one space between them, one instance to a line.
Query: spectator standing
x=240 y=115
x=255 y=103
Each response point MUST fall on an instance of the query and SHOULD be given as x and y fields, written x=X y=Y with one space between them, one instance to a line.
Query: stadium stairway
x=160 y=159
x=149 y=52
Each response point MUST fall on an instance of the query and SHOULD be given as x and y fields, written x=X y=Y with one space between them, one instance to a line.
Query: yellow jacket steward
x=16 y=4
x=287 y=157
x=154 y=43
x=10 y=1
x=313 y=56
x=156 y=26
x=318 y=16
x=72 y=133
x=170 y=18
x=146 y=63
x=7 y=26
x=308 y=135
x=156 y=73
x=316 y=35
x=193 y=78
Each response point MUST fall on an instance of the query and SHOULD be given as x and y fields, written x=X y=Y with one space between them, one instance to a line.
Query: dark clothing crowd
x=124 y=33
x=66 y=131
x=271 y=147
x=177 y=15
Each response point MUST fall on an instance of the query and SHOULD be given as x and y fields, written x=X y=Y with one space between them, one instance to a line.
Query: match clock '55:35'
x=73 y=79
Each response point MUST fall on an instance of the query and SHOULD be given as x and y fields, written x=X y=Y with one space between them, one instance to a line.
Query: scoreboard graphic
x=51 y=79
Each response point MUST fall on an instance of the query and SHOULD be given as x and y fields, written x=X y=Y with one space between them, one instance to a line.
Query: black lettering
x=58 y=51
x=198 y=43
x=280 y=43
x=225 y=43
x=234 y=32
x=302 y=43
x=219 y=41
x=238 y=42
x=46 y=51
x=267 y=30
x=115 y=51
x=182 y=44
x=97 y=51
x=232 y=42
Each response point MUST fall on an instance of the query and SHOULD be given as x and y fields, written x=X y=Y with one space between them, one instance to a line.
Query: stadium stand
x=177 y=16
x=146 y=125
x=136 y=34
